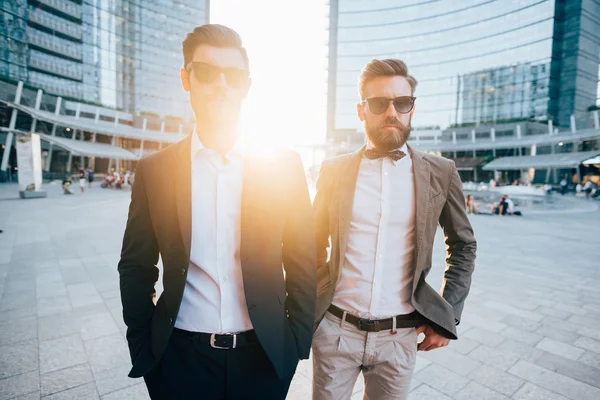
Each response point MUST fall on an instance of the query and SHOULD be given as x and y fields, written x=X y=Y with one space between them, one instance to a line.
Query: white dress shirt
x=214 y=300
x=376 y=278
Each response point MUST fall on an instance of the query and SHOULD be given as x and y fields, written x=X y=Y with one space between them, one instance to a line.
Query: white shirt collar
x=235 y=153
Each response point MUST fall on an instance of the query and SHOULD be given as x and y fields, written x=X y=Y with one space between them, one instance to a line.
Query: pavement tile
x=524 y=324
x=520 y=350
x=579 y=320
x=97 y=325
x=107 y=352
x=558 y=334
x=463 y=345
x=484 y=336
x=19 y=358
x=577 y=310
x=491 y=356
x=529 y=391
x=588 y=344
x=589 y=332
x=570 y=368
x=137 y=392
x=497 y=380
x=521 y=335
x=442 y=379
x=17 y=313
x=510 y=309
x=553 y=312
x=12 y=301
x=53 y=305
x=560 y=348
x=424 y=392
x=59 y=325
x=61 y=353
x=452 y=360
x=421 y=363
x=66 y=378
x=554 y=381
x=83 y=294
x=113 y=379
x=18 y=331
x=29 y=396
x=482 y=322
x=19 y=385
x=476 y=391
x=84 y=392
x=591 y=359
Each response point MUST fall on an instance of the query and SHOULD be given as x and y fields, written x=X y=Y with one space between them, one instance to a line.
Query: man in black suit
x=229 y=324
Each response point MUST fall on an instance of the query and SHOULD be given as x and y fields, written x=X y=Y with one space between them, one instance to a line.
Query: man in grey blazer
x=381 y=206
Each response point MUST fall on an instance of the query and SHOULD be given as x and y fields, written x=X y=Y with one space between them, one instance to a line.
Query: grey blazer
x=439 y=199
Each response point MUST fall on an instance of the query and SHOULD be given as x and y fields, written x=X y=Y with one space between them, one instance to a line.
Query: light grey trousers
x=341 y=352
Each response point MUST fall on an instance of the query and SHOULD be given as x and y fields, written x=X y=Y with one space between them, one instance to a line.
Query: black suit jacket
x=276 y=230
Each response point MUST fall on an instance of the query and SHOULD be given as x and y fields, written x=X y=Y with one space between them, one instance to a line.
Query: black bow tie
x=394 y=155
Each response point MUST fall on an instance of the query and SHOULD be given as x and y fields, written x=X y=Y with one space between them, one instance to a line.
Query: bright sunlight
x=286 y=43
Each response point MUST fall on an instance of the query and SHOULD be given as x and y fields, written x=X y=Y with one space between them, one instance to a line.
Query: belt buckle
x=364 y=323
x=214 y=346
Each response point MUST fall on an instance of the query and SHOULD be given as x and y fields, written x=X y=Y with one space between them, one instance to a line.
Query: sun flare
x=286 y=103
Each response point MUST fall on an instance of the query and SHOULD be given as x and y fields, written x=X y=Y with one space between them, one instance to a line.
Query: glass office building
x=122 y=54
x=476 y=61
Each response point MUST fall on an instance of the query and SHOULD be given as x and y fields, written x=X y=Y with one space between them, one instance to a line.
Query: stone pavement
x=530 y=330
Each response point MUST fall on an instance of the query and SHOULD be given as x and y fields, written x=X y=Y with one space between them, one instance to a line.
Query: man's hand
x=432 y=340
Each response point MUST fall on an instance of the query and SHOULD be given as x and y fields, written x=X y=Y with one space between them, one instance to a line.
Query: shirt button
x=385 y=173
x=182 y=271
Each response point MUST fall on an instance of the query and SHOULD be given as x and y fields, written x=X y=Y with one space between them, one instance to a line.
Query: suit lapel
x=183 y=190
x=346 y=200
x=422 y=172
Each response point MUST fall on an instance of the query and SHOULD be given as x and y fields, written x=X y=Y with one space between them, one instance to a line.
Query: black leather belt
x=375 y=325
x=222 y=341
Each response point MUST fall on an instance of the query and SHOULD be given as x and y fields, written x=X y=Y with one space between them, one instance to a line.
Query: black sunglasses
x=207 y=73
x=402 y=104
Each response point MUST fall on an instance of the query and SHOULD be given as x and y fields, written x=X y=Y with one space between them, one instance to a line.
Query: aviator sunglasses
x=207 y=73
x=402 y=104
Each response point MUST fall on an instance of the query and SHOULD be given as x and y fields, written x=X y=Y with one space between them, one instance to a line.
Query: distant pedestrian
x=470 y=204
x=66 y=185
x=82 y=179
x=563 y=186
x=90 y=177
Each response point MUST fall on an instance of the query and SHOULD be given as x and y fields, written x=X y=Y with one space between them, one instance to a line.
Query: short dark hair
x=212 y=35
x=389 y=67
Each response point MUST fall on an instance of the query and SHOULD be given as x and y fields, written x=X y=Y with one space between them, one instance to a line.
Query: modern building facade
x=516 y=92
x=121 y=54
x=476 y=61
x=499 y=82
x=98 y=60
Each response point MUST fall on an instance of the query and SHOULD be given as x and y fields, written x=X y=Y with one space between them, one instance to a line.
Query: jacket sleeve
x=460 y=246
x=137 y=269
x=298 y=251
x=321 y=213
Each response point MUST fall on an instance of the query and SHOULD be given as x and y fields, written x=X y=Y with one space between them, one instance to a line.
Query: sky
x=287 y=101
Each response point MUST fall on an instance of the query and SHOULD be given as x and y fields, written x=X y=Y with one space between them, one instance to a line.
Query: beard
x=389 y=139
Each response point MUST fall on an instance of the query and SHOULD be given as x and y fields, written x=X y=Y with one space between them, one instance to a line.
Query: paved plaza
x=530 y=329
